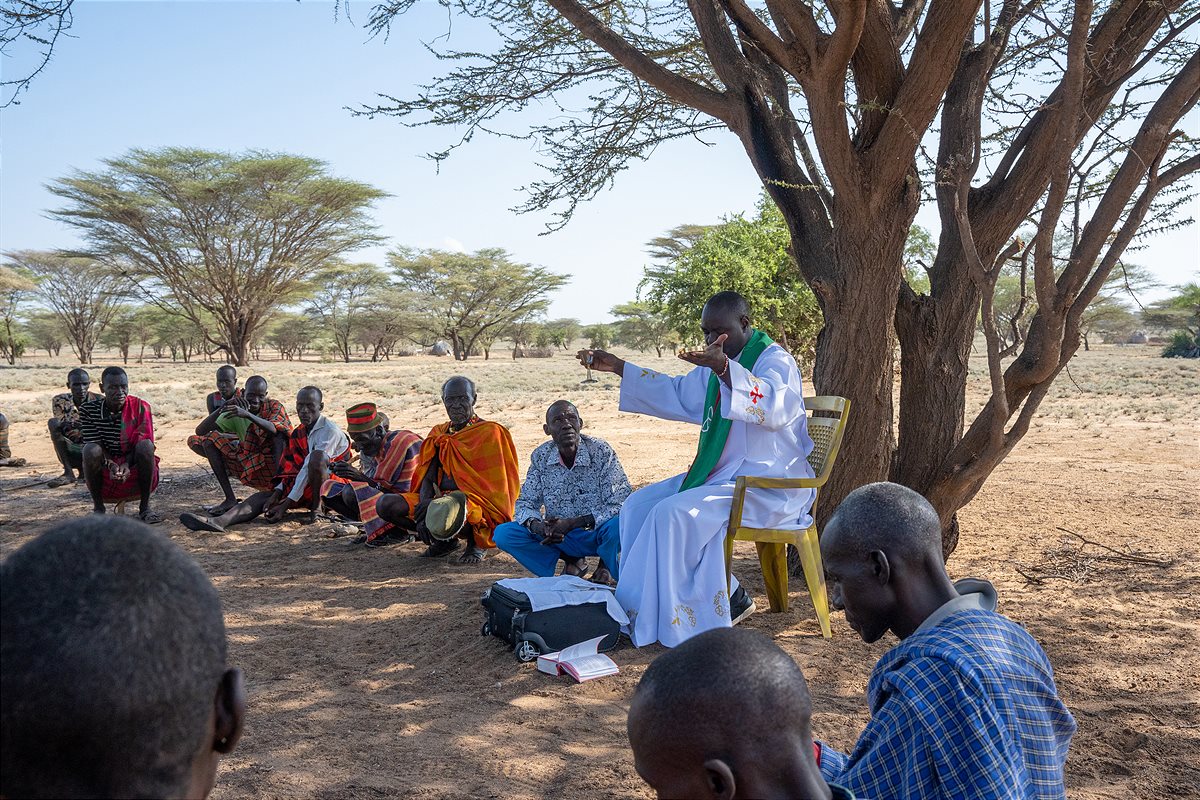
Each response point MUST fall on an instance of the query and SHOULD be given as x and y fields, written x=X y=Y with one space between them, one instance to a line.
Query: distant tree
x=120 y=332
x=676 y=242
x=341 y=296
x=292 y=335
x=599 y=336
x=1108 y=317
x=393 y=316
x=233 y=237
x=175 y=333
x=81 y=292
x=563 y=331
x=640 y=327
x=45 y=332
x=16 y=287
x=471 y=296
x=1179 y=313
x=748 y=256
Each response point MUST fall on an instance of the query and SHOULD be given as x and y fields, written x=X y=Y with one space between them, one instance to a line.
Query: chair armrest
x=759 y=482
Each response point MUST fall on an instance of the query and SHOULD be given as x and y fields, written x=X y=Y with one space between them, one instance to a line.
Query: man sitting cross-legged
x=252 y=459
x=580 y=484
x=726 y=715
x=965 y=705
x=65 y=433
x=119 y=463
x=469 y=462
x=389 y=459
x=313 y=443
x=113 y=673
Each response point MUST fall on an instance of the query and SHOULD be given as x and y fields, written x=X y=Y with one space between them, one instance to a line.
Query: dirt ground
x=368 y=676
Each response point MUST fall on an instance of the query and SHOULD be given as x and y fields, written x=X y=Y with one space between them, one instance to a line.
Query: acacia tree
x=641 y=326
x=342 y=296
x=81 y=292
x=853 y=112
x=472 y=297
x=45 y=332
x=215 y=236
x=31 y=23
x=16 y=286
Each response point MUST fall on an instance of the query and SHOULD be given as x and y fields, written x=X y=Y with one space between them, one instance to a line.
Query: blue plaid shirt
x=965 y=709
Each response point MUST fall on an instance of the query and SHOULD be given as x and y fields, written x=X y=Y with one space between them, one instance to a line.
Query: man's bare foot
x=307 y=518
x=221 y=508
x=61 y=480
x=577 y=567
x=602 y=576
x=472 y=555
x=195 y=522
x=99 y=510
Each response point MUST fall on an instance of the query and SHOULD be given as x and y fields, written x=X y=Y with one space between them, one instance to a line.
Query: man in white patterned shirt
x=569 y=502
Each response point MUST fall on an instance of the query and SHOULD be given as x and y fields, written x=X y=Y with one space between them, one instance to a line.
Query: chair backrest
x=826 y=431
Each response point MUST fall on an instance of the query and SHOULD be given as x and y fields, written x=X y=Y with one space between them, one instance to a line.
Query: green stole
x=715 y=429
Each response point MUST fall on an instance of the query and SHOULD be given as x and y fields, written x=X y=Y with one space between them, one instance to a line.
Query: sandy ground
x=369 y=678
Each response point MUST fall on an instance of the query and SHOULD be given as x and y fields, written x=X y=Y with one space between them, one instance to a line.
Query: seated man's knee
x=144 y=449
x=390 y=506
x=93 y=454
x=318 y=461
x=55 y=428
x=509 y=535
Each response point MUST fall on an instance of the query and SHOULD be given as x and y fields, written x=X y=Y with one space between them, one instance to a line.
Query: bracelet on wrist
x=725 y=369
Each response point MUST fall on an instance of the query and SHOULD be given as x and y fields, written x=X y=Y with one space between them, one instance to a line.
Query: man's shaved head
x=728 y=695
x=559 y=405
x=459 y=380
x=79 y=373
x=729 y=302
x=882 y=551
x=887 y=517
x=256 y=380
x=313 y=390
x=228 y=369
x=113 y=656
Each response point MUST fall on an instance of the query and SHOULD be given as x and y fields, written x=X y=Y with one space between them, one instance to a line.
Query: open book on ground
x=581 y=661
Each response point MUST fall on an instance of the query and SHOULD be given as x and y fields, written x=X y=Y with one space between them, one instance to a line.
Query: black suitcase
x=530 y=633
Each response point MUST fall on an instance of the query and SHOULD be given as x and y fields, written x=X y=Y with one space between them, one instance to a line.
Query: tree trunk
x=855 y=359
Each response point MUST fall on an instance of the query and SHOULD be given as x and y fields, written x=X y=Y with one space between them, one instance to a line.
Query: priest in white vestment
x=745 y=394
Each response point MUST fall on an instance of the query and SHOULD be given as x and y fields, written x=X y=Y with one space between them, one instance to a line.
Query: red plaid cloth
x=250 y=460
x=137 y=423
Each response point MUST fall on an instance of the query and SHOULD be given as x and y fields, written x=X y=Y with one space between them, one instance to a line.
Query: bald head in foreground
x=965 y=705
x=113 y=679
x=726 y=715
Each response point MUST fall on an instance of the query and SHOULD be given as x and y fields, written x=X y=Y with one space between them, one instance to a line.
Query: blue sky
x=279 y=76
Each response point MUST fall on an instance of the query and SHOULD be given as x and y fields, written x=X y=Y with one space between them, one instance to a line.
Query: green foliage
x=227 y=237
x=45 y=332
x=641 y=327
x=473 y=298
x=1181 y=314
x=919 y=251
x=599 y=336
x=342 y=296
x=16 y=286
x=749 y=256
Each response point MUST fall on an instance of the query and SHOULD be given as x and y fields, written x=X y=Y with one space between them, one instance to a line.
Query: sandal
x=472 y=555
x=61 y=480
x=150 y=517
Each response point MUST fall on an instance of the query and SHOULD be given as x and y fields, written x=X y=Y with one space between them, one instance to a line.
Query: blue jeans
x=541 y=559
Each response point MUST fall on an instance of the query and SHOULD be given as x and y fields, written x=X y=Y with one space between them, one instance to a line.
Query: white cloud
x=450 y=243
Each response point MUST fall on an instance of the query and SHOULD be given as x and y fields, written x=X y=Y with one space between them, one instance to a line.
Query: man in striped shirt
x=119 y=463
x=965 y=705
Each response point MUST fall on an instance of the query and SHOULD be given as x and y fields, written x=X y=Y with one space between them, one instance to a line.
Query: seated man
x=65 y=433
x=313 y=443
x=965 y=705
x=745 y=394
x=472 y=458
x=579 y=485
x=119 y=463
x=254 y=458
x=726 y=715
x=113 y=673
x=389 y=459
x=6 y=456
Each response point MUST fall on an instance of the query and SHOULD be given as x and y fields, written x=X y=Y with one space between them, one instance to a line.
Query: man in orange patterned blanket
x=469 y=455
x=389 y=459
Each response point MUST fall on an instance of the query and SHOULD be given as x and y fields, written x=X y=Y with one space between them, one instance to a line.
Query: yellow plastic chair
x=826 y=432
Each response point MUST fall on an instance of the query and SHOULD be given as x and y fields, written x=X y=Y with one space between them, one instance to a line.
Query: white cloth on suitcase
x=565 y=590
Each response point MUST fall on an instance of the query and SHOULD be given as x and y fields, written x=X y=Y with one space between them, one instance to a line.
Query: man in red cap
x=388 y=461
